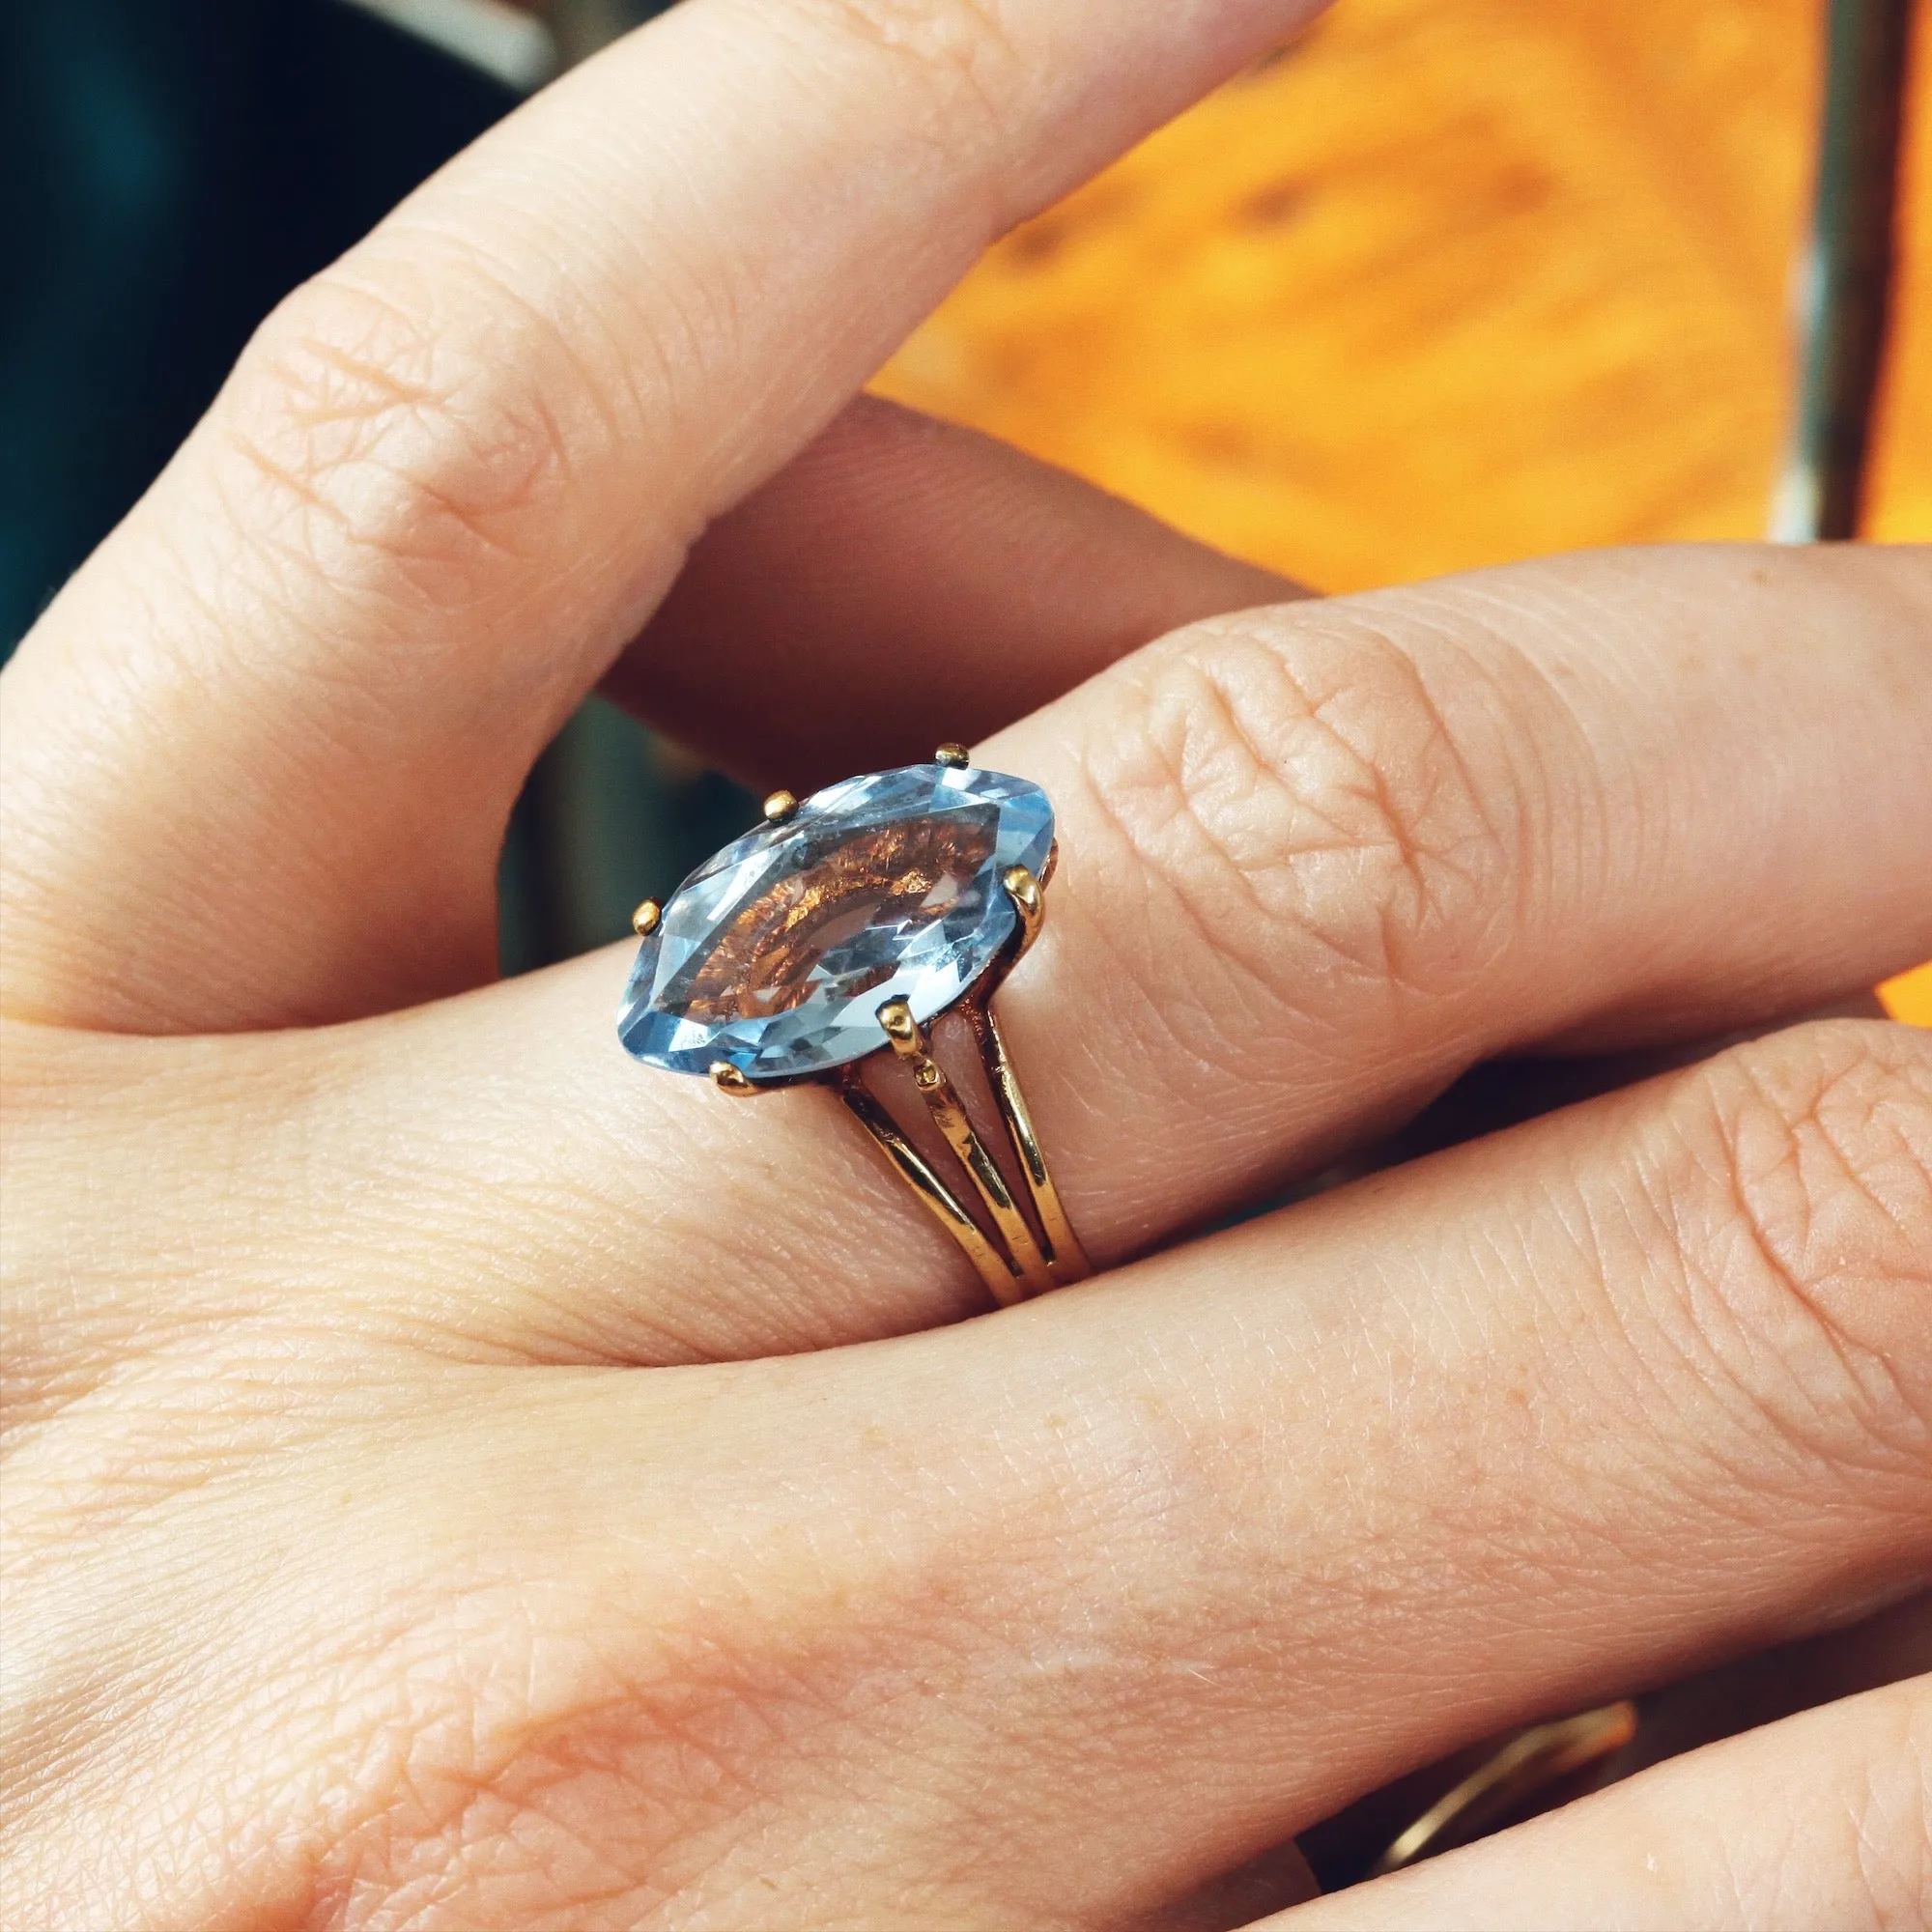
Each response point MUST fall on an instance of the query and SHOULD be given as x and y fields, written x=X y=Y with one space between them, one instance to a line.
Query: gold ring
x=824 y=945
x=1510 y=1779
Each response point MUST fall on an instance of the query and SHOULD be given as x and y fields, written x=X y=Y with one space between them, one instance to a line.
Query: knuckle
x=568 y=1707
x=1301 y=798
x=1796 y=1187
x=396 y=430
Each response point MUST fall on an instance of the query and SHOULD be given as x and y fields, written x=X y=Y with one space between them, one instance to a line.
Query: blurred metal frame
x=521 y=42
x=509 y=43
x=1846 y=278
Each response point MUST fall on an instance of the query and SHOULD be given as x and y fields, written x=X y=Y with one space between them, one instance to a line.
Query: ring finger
x=1314 y=862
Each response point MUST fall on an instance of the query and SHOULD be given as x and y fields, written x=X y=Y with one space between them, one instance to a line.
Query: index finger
x=451 y=478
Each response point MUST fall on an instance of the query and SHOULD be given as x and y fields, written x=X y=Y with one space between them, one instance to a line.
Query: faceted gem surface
x=777 y=953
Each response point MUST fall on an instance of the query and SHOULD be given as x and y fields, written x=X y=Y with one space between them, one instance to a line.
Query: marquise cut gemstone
x=777 y=953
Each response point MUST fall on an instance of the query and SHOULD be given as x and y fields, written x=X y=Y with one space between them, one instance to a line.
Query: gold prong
x=781 y=805
x=909 y=1042
x=955 y=755
x=1023 y=889
x=904 y=1032
x=644 y=921
x=728 y=1079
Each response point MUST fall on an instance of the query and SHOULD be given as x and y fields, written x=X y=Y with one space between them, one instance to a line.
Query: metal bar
x=1845 y=295
x=1066 y=1257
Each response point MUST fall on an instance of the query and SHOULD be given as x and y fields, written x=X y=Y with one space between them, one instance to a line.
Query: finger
x=1219 y=1543
x=451 y=477
x=1272 y=1519
x=1258 y=1524
x=1822 y=1820
x=1499 y=1435
x=942 y=583
x=1267 y=939
x=1318 y=862
x=1312 y=866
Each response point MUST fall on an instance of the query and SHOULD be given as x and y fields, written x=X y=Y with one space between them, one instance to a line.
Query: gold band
x=1509 y=1779
x=912 y=1168
x=1024 y=1259
x=1016 y=1255
x=1065 y=1260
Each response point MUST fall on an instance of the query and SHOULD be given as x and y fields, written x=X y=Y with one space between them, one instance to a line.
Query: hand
x=438 y=1494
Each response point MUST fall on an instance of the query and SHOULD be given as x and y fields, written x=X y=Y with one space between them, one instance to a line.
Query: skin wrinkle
x=335 y=700
x=1912 y=1848
x=454 y=1776
x=1886 y=1898
x=1643 y=1253
x=1885 y=1393
x=958 y=51
x=1400 y=819
x=1544 y=810
x=402 y=467
x=607 y=391
x=624 y=1714
x=1233 y=998
x=1179 y=786
x=1754 y=1099
x=1498 y=853
x=1177 y=1023
x=1756 y=1383
x=1219 y=722
x=1610 y=812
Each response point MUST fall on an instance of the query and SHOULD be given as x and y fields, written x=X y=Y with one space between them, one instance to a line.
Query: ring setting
x=826 y=943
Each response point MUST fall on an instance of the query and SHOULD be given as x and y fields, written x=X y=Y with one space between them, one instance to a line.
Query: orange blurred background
x=1437 y=287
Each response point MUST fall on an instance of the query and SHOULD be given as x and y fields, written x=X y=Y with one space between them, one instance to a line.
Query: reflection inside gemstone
x=840 y=923
x=775 y=955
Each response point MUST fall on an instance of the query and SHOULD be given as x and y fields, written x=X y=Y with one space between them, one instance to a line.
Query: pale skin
x=456 y=1479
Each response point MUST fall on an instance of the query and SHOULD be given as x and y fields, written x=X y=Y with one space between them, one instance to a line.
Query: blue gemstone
x=776 y=955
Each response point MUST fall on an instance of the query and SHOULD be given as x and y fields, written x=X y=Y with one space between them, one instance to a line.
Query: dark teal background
x=168 y=170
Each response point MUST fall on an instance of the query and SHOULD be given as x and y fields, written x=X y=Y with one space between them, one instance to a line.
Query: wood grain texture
x=1441 y=286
